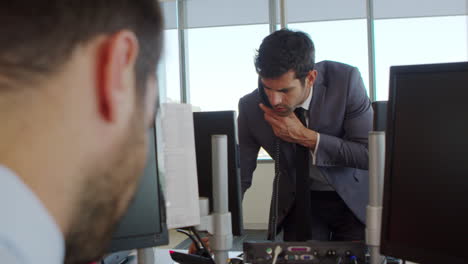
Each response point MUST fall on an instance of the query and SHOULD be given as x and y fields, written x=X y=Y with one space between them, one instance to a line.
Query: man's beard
x=105 y=197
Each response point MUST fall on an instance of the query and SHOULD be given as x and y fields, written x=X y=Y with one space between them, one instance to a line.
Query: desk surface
x=162 y=256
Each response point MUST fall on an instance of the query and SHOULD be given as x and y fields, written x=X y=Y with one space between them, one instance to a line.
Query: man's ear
x=116 y=89
x=311 y=77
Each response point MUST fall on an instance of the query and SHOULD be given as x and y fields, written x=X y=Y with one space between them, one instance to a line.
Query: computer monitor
x=425 y=210
x=144 y=224
x=380 y=115
x=207 y=124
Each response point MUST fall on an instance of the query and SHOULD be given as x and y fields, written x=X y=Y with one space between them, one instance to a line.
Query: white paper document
x=180 y=168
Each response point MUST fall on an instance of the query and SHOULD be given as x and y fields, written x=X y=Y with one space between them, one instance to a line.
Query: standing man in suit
x=331 y=140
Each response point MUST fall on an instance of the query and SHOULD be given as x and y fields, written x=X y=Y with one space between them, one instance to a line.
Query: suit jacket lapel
x=315 y=106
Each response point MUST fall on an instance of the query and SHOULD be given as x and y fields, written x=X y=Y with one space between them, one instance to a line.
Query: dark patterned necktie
x=302 y=206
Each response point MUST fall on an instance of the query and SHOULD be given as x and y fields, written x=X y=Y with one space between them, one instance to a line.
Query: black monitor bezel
x=203 y=134
x=153 y=239
x=388 y=247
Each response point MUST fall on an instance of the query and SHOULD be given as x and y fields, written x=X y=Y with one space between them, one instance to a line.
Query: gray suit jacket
x=341 y=112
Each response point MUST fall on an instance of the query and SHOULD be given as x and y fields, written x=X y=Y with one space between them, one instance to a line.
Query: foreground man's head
x=77 y=98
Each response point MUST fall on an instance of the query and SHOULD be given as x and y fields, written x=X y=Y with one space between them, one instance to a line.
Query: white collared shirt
x=28 y=233
x=306 y=105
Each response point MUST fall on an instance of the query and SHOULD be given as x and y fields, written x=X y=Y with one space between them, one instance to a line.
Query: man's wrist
x=309 y=139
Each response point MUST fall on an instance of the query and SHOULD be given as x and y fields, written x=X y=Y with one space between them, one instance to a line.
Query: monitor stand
x=145 y=256
x=374 y=208
x=219 y=222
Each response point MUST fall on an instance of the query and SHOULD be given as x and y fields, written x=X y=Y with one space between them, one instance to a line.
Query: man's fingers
x=271 y=119
x=275 y=124
x=276 y=132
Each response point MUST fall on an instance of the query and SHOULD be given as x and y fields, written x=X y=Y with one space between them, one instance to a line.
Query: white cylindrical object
x=373 y=225
x=206 y=220
x=220 y=173
x=376 y=167
x=221 y=242
x=374 y=209
x=221 y=257
x=145 y=256
x=204 y=204
x=375 y=257
x=222 y=235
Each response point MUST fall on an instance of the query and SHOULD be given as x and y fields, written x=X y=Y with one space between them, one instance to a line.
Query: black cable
x=205 y=248
x=272 y=221
x=195 y=242
x=192 y=229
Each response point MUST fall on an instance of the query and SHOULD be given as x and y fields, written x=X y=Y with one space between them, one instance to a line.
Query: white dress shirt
x=28 y=233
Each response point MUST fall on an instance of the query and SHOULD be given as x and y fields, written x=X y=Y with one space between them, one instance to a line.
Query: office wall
x=256 y=204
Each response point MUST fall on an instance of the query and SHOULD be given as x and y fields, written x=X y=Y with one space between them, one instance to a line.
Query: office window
x=221 y=65
x=222 y=68
x=168 y=70
x=219 y=13
x=341 y=40
x=417 y=41
x=169 y=78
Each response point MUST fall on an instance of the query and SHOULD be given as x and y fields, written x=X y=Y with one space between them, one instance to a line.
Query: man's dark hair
x=285 y=50
x=38 y=37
